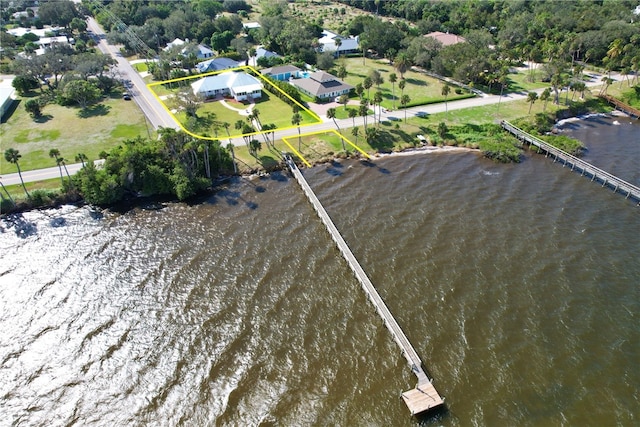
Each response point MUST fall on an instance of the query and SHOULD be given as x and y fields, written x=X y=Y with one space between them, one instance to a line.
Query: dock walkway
x=619 y=105
x=607 y=179
x=424 y=397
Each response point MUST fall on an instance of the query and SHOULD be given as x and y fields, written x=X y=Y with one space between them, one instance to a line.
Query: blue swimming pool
x=304 y=74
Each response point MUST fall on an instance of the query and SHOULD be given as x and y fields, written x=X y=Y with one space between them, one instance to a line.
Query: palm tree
x=12 y=155
x=531 y=98
x=404 y=100
x=81 y=157
x=267 y=128
x=254 y=147
x=377 y=99
x=376 y=78
x=338 y=42
x=342 y=72
x=296 y=119
x=353 y=113
x=607 y=82
x=371 y=134
x=331 y=114
x=446 y=90
x=442 y=130
x=55 y=153
x=359 y=90
x=355 y=131
x=393 y=79
x=367 y=83
x=635 y=61
x=615 y=49
x=402 y=63
x=401 y=84
x=233 y=155
x=8 y=194
x=544 y=96
x=364 y=110
x=364 y=45
x=503 y=80
x=256 y=117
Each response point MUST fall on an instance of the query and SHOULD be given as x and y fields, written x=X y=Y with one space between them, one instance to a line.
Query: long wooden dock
x=424 y=397
x=596 y=174
x=619 y=105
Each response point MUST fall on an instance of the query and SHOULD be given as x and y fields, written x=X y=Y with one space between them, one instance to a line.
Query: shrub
x=42 y=197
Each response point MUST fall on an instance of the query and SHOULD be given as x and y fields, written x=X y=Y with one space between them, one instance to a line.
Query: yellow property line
x=296 y=152
x=244 y=67
x=284 y=139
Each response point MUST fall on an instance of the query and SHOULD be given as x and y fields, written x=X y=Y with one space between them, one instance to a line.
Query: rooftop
x=445 y=38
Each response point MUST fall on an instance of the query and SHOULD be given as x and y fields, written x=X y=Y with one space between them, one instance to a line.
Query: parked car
x=126 y=96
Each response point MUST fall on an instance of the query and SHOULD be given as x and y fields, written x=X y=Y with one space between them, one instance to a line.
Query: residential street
x=150 y=106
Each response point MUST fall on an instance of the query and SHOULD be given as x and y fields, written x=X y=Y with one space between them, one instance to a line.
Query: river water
x=517 y=285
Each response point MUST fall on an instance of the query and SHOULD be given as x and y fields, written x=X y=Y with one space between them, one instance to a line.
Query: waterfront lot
x=421 y=88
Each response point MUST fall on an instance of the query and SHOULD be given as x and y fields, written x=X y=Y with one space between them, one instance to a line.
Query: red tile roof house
x=445 y=38
x=322 y=85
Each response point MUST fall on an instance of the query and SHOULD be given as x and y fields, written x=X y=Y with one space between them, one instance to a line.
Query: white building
x=329 y=43
x=240 y=85
x=6 y=99
x=201 y=51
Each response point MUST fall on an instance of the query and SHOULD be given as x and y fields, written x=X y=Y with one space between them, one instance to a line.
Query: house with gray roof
x=240 y=85
x=322 y=85
x=216 y=64
x=282 y=72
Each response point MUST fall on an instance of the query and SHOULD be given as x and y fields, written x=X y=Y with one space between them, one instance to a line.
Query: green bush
x=42 y=197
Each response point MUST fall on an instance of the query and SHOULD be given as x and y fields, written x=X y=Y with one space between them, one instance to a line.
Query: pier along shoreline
x=586 y=168
x=424 y=396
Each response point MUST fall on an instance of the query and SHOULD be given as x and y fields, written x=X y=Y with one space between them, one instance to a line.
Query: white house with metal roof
x=240 y=85
x=339 y=45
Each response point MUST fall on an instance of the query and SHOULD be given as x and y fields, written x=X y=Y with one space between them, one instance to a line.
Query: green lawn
x=141 y=66
x=271 y=110
x=421 y=88
x=101 y=127
x=343 y=113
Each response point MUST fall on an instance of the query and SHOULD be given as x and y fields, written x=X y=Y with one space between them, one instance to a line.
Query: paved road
x=150 y=106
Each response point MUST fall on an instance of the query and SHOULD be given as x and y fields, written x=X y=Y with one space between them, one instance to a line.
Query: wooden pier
x=619 y=105
x=585 y=168
x=424 y=397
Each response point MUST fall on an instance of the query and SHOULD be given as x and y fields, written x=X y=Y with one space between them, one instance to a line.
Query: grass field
x=70 y=130
x=421 y=88
x=272 y=110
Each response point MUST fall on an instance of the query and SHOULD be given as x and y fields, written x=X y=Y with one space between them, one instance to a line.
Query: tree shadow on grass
x=417 y=82
x=94 y=111
x=386 y=139
x=268 y=163
x=44 y=118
